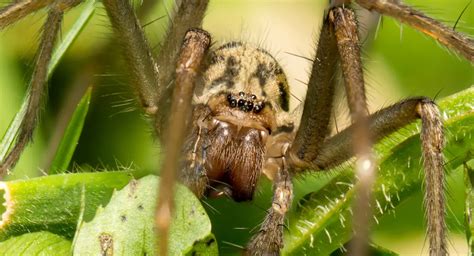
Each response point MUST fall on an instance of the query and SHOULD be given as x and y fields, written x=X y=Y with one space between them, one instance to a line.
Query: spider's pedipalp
x=269 y=239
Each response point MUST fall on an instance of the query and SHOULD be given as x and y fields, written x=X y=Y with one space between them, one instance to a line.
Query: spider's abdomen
x=237 y=106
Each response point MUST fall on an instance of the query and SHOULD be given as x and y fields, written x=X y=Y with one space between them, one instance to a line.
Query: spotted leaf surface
x=125 y=225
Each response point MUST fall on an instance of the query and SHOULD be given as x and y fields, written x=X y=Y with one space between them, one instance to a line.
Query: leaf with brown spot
x=128 y=223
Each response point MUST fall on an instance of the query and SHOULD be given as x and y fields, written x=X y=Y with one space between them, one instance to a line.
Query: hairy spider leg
x=345 y=26
x=337 y=149
x=445 y=35
x=38 y=81
x=19 y=9
x=195 y=45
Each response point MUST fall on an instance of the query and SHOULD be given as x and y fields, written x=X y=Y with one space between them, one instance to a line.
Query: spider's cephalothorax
x=243 y=96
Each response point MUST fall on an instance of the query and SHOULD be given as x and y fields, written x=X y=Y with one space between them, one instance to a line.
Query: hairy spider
x=230 y=110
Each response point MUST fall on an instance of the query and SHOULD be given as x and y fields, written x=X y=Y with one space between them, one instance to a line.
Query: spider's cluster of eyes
x=245 y=102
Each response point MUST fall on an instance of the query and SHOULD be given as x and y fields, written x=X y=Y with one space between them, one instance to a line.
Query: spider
x=240 y=124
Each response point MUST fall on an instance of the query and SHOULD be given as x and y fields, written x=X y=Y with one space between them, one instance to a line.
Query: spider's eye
x=253 y=97
x=229 y=97
x=257 y=109
x=241 y=103
x=233 y=103
x=249 y=106
x=241 y=94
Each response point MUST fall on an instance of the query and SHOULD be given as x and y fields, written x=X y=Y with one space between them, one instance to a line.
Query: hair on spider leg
x=234 y=245
x=209 y=206
x=460 y=14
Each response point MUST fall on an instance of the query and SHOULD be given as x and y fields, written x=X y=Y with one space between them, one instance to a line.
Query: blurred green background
x=399 y=63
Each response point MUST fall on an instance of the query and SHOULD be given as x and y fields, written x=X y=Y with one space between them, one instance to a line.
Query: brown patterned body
x=241 y=103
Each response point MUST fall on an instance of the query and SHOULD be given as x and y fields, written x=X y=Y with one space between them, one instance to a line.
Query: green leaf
x=374 y=250
x=71 y=135
x=469 y=222
x=55 y=203
x=13 y=129
x=125 y=225
x=39 y=243
x=322 y=221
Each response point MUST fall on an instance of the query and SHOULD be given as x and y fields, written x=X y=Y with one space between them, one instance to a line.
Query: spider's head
x=245 y=90
x=244 y=82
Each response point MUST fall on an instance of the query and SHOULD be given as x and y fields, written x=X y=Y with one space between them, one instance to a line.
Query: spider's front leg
x=155 y=87
x=195 y=45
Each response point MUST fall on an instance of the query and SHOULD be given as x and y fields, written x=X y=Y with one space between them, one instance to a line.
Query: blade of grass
x=469 y=204
x=71 y=135
x=14 y=127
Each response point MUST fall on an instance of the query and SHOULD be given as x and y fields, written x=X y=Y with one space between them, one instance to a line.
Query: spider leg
x=431 y=27
x=269 y=239
x=314 y=126
x=19 y=9
x=314 y=129
x=143 y=68
x=195 y=45
x=153 y=79
x=345 y=26
x=188 y=14
x=37 y=85
x=159 y=94
x=388 y=120
x=338 y=41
